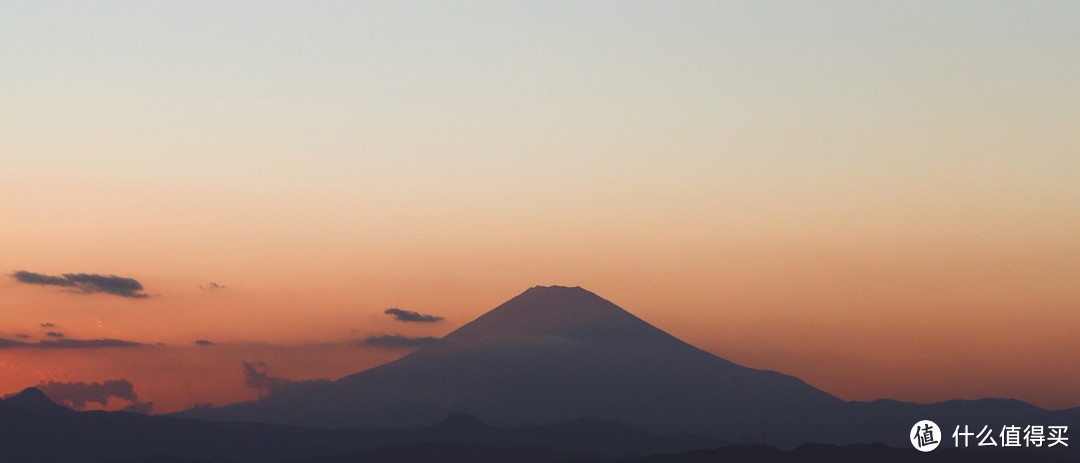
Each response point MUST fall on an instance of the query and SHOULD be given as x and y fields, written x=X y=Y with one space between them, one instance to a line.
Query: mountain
x=450 y=453
x=615 y=387
x=554 y=354
x=33 y=429
x=31 y=401
x=807 y=453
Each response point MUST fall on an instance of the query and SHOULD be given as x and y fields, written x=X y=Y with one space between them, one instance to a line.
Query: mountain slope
x=554 y=354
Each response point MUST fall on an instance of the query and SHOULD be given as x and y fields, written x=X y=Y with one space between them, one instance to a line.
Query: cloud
x=32 y=278
x=86 y=344
x=211 y=286
x=204 y=342
x=67 y=344
x=54 y=334
x=397 y=341
x=21 y=335
x=87 y=283
x=256 y=377
x=78 y=394
x=410 y=316
x=48 y=324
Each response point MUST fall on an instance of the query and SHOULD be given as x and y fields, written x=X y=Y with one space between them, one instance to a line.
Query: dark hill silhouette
x=34 y=429
x=876 y=453
x=451 y=453
x=32 y=401
x=808 y=453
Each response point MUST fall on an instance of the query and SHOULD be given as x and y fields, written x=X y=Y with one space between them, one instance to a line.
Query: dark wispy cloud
x=32 y=278
x=397 y=341
x=78 y=394
x=48 y=324
x=54 y=334
x=256 y=377
x=86 y=344
x=67 y=344
x=87 y=283
x=204 y=342
x=211 y=286
x=410 y=316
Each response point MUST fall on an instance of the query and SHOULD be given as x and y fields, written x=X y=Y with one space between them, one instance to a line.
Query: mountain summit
x=554 y=354
x=570 y=313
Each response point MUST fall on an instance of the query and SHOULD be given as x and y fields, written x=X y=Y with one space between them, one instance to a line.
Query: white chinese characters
x=1012 y=436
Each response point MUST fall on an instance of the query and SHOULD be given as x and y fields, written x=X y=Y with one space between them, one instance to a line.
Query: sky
x=877 y=197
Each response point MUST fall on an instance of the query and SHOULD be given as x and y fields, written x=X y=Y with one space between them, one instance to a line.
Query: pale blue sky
x=331 y=87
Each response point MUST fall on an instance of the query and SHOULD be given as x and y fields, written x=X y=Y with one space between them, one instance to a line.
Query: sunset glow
x=880 y=200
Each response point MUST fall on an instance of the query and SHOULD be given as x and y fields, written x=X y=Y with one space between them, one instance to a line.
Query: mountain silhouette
x=33 y=429
x=564 y=313
x=557 y=354
x=455 y=453
x=32 y=401
x=807 y=453
x=549 y=355
x=615 y=387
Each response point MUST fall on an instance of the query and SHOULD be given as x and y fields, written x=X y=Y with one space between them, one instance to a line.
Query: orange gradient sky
x=879 y=199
